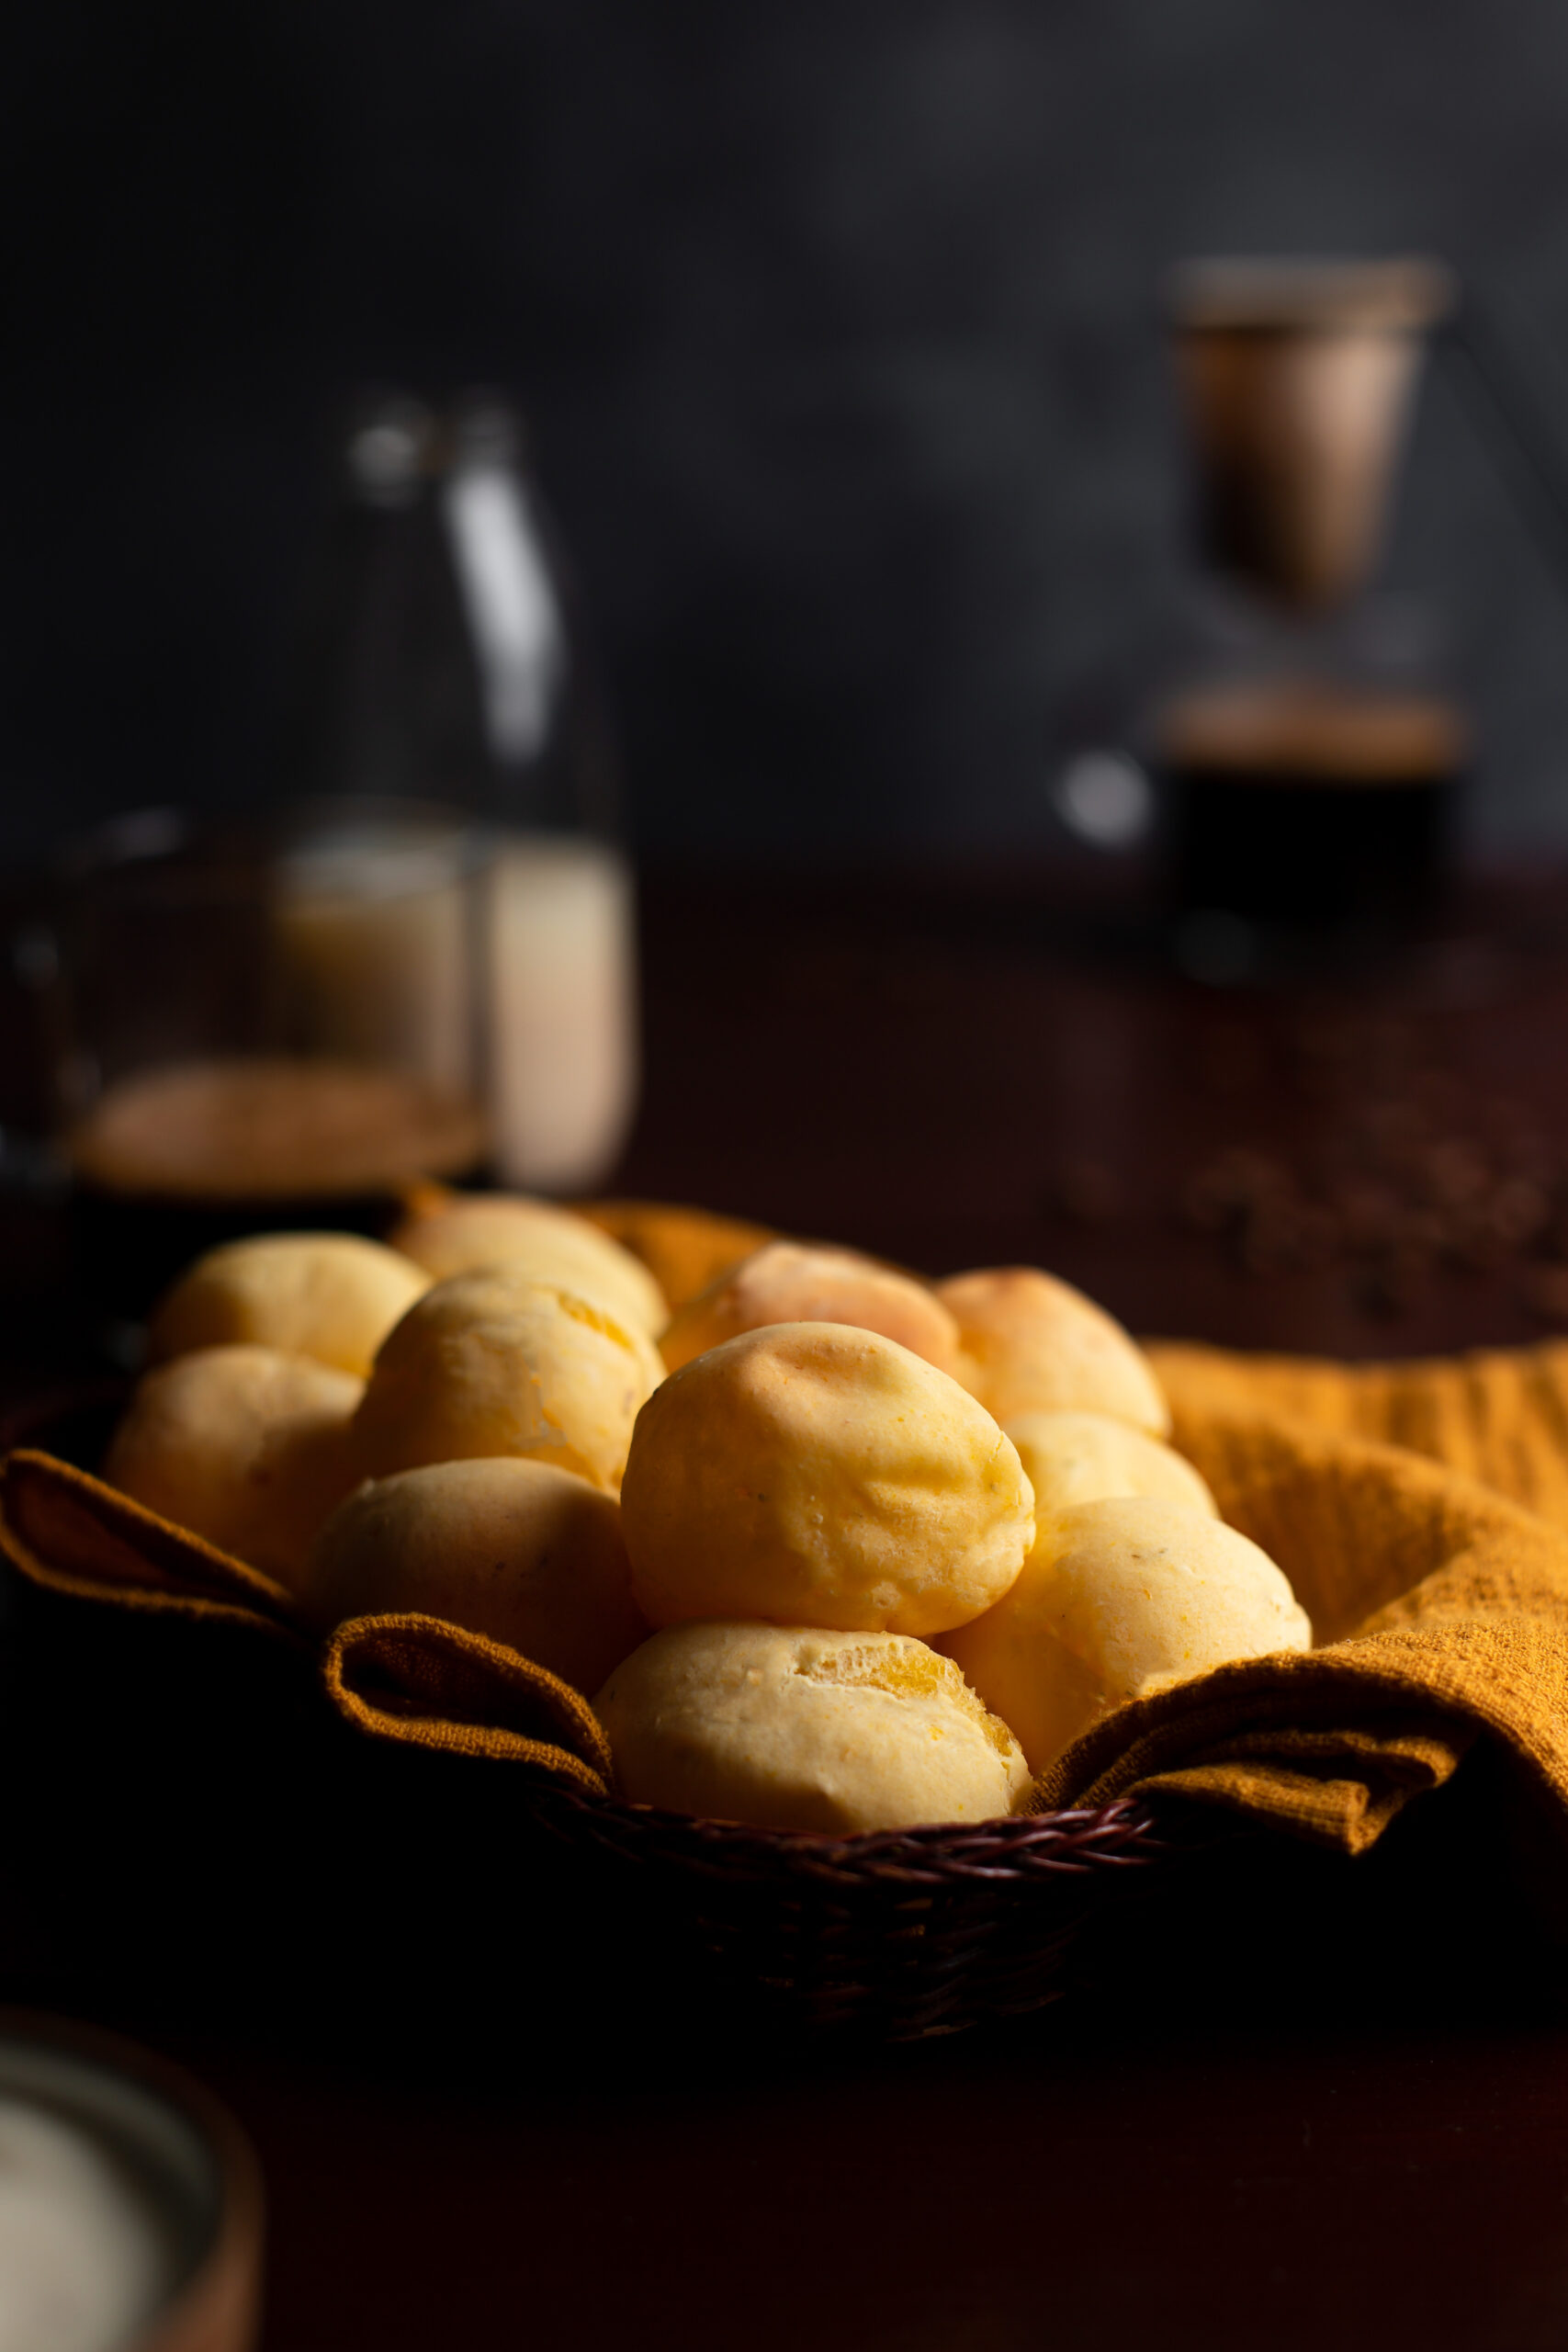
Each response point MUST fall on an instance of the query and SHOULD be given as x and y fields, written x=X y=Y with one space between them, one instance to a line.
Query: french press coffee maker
x=1309 y=747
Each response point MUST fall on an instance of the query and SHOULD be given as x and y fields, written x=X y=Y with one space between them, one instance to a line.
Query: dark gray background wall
x=835 y=322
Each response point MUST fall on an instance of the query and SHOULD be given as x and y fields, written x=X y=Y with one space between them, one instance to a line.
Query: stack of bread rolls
x=828 y=1547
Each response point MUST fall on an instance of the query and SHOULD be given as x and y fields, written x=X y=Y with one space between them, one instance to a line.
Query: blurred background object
x=839 y=340
x=1313 y=754
x=834 y=329
x=277 y=1021
x=1297 y=377
x=440 y=659
x=131 y=2206
x=414 y=955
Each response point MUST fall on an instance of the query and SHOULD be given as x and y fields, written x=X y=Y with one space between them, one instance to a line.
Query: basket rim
x=1007 y=1849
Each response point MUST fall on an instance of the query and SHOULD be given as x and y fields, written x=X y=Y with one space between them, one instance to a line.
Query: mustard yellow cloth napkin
x=1440 y=1603
x=406 y=1677
x=1435 y=1569
x=1499 y=1414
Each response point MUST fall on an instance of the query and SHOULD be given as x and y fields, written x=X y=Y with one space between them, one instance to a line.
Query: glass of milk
x=129 y=2204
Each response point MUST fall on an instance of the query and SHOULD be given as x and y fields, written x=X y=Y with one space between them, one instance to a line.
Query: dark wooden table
x=1347 y=2123
x=1111 y=2180
x=1360 y=1156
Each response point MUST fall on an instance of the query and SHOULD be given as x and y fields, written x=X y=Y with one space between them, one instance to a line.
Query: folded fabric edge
x=1277 y=1739
x=69 y=1533
x=421 y=1681
x=1345 y=1816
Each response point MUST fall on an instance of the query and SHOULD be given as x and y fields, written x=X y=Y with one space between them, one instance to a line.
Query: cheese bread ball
x=821 y=1475
x=684 y=1249
x=244 y=1445
x=802 y=1728
x=1128 y=1596
x=496 y=1363
x=522 y=1551
x=1088 y=1458
x=796 y=1281
x=331 y=1295
x=459 y=1233
x=1031 y=1344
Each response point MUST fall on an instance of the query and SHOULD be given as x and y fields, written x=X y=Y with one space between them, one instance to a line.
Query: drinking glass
x=282 y=1024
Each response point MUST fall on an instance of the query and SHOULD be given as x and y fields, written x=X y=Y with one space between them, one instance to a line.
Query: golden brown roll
x=684 y=1249
x=460 y=1233
x=528 y=1554
x=494 y=1362
x=1033 y=1344
x=1126 y=1596
x=821 y=1475
x=798 y=1282
x=331 y=1295
x=804 y=1728
x=244 y=1445
x=1074 y=1458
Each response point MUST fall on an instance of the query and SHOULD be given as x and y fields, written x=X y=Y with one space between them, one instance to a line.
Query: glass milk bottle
x=445 y=664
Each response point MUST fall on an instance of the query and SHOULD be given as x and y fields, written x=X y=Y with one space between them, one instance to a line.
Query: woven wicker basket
x=901 y=1934
x=897 y=1934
